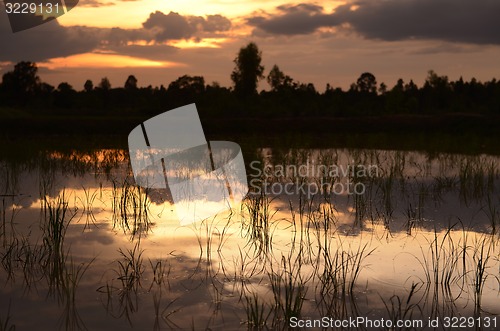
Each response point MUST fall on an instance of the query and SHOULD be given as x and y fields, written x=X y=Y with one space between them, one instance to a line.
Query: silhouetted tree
x=185 y=89
x=23 y=79
x=328 y=88
x=278 y=80
x=395 y=98
x=88 y=86
x=105 y=84
x=248 y=70
x=436 y=93
x=21 y=83
x=191 y=84
x=411 y=87
x=65 y=96
x=46 y=88
x=104 y=93
x=382 y=88
x=131 y=83
x=308 y=88
x=366 y=83
x=64 y=87
x=399 y=87
x=435 y=81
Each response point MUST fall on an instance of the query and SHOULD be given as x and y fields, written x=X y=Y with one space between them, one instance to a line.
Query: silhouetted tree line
x=22 y=88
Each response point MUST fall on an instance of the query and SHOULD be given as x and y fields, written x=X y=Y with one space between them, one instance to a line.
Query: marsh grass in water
x=258 y=226
x=87 y=204
x=288 y=284
x=123 y=300
x=48 y=262
x=482 y=253
x=258 y=312
x=492 y=211
x=400 y=308
x=277 y=257
x=130 y=205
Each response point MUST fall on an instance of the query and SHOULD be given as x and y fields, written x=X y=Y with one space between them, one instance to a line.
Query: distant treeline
x=437 y=96
x=22 y=89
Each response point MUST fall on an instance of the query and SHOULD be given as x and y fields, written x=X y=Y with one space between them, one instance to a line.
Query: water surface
x=342 y=233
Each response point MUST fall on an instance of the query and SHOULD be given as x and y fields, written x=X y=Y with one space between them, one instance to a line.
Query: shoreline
x=452 y=133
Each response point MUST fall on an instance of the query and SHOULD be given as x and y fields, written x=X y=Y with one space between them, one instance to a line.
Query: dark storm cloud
x=170 y=26
x=51 y=40
x=174 y=26
x=294 y=19
x=215 y=23
x=45 y=41
x=159 y=28
x=450 y=20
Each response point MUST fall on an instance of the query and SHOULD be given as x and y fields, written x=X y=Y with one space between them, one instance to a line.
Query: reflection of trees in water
x=42 y=172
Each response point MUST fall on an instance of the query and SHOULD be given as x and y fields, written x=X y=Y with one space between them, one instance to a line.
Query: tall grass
x=481 y=255
x=338 y=272
x=129 y=271
x=400 y=309
x=257 y=311
x=308 y=263
x=88 y=206
x=492 y=211
x=289 y=288
x=257 y=226
x=130 y=205
x=47 y=264
x=73 y=274
x=130 y=267
x=54 y=227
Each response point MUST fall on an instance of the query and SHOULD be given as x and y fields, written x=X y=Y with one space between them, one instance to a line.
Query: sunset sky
x=311 y=41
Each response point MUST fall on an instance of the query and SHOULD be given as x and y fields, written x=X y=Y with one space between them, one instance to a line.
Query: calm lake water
x=374 y=236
